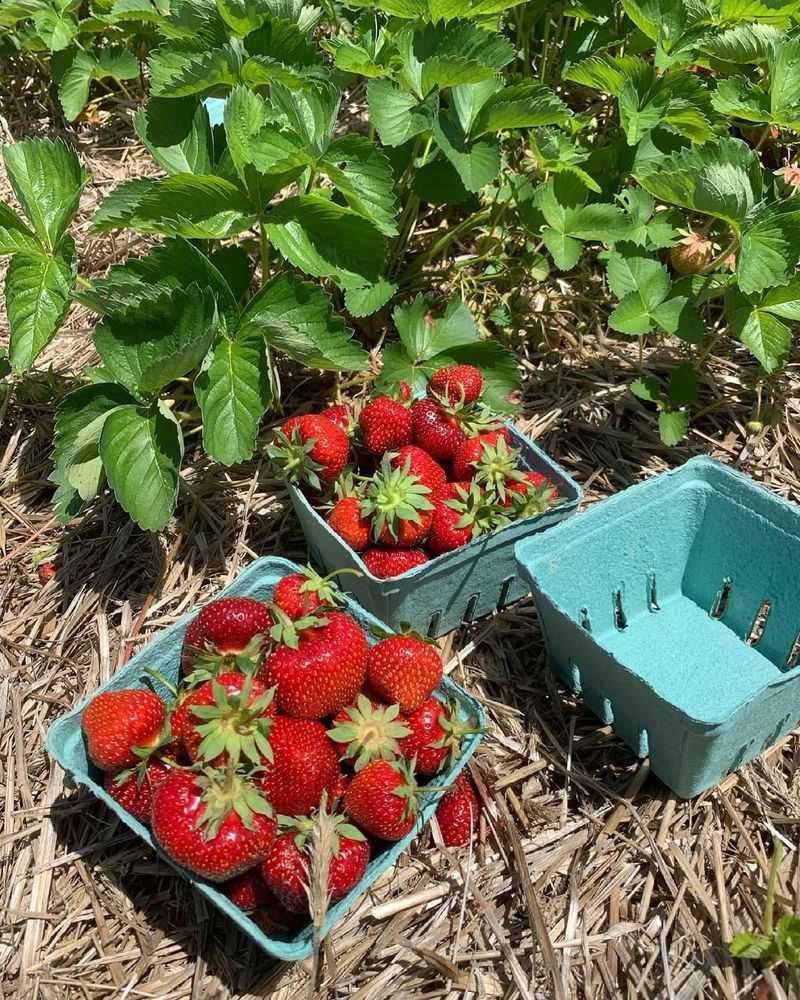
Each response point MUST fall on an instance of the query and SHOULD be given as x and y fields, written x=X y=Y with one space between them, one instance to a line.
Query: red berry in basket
x=420 y=464
x=337 y=790
x=303 y=764
x=458 y=812
x=404 y=670
x=310 y=449
x=349 y=523
x=133 y=788
x=368 y=731
x=248 y=890
x=531 y=495
x=387 y=563
x=287 y=870
x=436 y=430
x=385 y=425
x=319 y=665
x=456 y=384
x=298 y=594
x=463 y=511
x=230 y=633
x=382 y=799
x=399 y=506
x=216 y=825
x=276 y=921
x=116 y=723
x=435 y=734
x=474 y=450
x=229 y=717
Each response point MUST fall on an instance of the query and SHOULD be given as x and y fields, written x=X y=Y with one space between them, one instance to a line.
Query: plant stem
x=471 y=222
x=263 y=243
x=769 y=906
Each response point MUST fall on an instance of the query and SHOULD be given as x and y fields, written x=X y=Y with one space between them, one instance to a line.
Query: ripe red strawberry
x=471 y=451
x=532 y=494
x=46 y=570
x=298 y=594
x=310 y=449
x=382 y=799
x=115 y=723
x=349 y=523
x=248 y=890
x=230 y=633
x=458 y=812
x=692 y=254
x=287 y=869
x=368 y=731
x=229 y=717
x=420 y=464
x=303 y=764
x=216 y=826
x=319 y=665
x=133 y=788
x=462 y=512
x=404 y=670
x=399 y=506
x=385 y=425
x=337 y=790
x=436 y=733
x=341 y=415
x=435 y=430
x=275 y=920
x=386 y=563
x=456 y=384
x=404 y=389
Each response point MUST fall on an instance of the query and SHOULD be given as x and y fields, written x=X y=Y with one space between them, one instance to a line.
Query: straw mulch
x=588 y=879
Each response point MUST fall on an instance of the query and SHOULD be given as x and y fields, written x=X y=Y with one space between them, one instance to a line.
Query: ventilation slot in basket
x=759 y=623
x=620 y=618
x=469 y=611
x=586 y=624
x=793 y=658
x=505 y=589
x=575 y=676
x=721 y=600
x=433 y=624
x=652 y=593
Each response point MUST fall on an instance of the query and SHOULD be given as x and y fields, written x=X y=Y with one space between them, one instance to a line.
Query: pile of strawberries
x=403 y=481
x=284 y=715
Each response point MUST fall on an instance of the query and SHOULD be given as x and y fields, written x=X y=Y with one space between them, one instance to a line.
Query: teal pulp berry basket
x=65 y=743
x=453 y=588
x=674 y=609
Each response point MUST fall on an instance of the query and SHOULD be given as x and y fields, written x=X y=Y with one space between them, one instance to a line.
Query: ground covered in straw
x=588 y=880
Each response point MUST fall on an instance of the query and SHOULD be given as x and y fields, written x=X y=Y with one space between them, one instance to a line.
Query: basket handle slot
x=722 y=598
x=759 y=623
x=793 y=658
x=607 y=712
x=620 y=618
x=505 y=589
x=433 y=624
x=586 y=622
x=575 y=676
x=469 y=611
x=652 y=592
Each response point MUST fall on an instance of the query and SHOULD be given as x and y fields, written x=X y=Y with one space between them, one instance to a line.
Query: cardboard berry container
x=65 y=743
x=674 y=609
x=453 y=588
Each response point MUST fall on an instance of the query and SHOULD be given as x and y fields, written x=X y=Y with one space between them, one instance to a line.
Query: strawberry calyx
x=235 y=725
x=287 y=631
x=498 y=465
x=209 y=661
x=536 y=500
x=372 y=732
x=303 y=827
x=145 y=754
x=454 y=731
x=225 y=792
x=409 y=789
x=325 y=587
x=394 y=495
x=479 y=510
x=293 y=454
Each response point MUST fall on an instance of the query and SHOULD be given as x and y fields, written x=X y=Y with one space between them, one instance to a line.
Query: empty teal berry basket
x=674 y=609
x=65 y=743
x=453 y=588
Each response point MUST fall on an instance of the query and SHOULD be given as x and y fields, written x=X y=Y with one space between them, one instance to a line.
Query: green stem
x=471 y=222
x=769 y=907
x=263 y=243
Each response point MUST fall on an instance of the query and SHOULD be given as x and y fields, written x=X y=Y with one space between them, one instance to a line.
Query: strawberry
x=46 y=571
x=229 y=717
x=287 y=869
x=399 y=506
x=248 y=890
x=456 y=384
x=349 y=523
x=300 y=593
x=227 y=634
x=462 y=513
x=435 y=430
x=692 y=254
x=531 y=495
x=404 y=670
x=117 y=723
x=319 y=665
x=404 y=391
x=133 y=788
x=435 y=734
x=457 y=813
x=386 y=563
x=275 y=920
x=337 y=790
x=385 y=424
x=474 y=450
x=303 y=764
x=420 y=464
x=382 y=799
x=215 y=825
x=310 y=449
x=341 y=415
x=368 y=731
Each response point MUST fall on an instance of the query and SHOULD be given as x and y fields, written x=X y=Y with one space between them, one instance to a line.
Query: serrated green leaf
x=608 y=74
x=424 y=335
x=297 y=317
x=37 y=291
x=283 y=39
x=56 y=28
x=770 y=247
x=766 y=337
x=565 y=251
x=234 y=392
x=678 y=316
x=748 y=945
x=522 y=106
x=632 y=316
x=636 y=117
x=311 y=112
x=142 y=452
x=438 y=183
x=784 y=91
x=365 y=300
x=177 y=133
x=47 y=179
x=177 y=71
x=364 y=176
x=629 y=270
x=737 y=97
x=397 y=115
x=468 y=99
x=73 y=88
x=785 y=301
x=120 y=205
x=741 y=43
x=647 y=388
x=477 y=162
x=242 y=16
x=673 y=426
x=191 y=205
x=683 y=385
x=15 y=237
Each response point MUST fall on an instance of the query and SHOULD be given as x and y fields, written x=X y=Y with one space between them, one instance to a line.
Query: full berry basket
x=457 y=587
x=674 y=609
x=65 y=743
